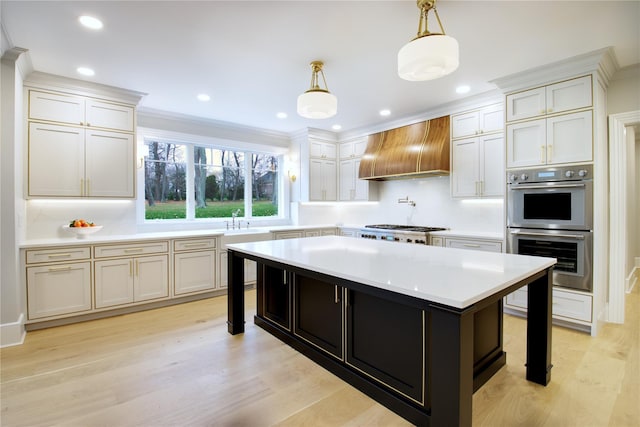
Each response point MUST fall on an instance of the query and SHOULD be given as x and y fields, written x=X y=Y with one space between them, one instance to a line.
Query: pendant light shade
x=429 y=55
x=317 y=103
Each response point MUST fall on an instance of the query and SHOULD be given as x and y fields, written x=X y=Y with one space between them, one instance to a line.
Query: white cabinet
x=77 y=110
x=353 y=149
x=250 y=270
x=489 y=119
x=73 y=150
x=478 y=166
x=194 y=265
x=322 y=180
x=58 y=281
x=551 y=125
x=130 y=279
x=278 y=235
x=127 y=280
x=567 y=305
x=473 y=244
x=555 y=98
x=322 y=150
x=477 y=153
x=566 y=138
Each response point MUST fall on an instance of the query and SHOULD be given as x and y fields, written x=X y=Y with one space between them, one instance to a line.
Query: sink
x=245 y=235
x=243 y=231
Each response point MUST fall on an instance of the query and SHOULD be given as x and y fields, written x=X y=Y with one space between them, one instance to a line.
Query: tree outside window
x=219 y=184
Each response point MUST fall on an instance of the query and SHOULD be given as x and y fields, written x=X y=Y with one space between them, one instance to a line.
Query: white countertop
x=454 y=277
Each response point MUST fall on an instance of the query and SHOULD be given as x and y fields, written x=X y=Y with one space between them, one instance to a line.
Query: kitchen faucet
x=234 y=215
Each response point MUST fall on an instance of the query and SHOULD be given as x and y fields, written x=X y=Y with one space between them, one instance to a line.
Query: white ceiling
x=253 y=57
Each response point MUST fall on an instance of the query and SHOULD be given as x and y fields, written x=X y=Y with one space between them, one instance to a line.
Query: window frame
x=190 y=141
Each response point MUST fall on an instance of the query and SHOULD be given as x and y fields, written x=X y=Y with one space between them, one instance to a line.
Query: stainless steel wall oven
x=550 y=213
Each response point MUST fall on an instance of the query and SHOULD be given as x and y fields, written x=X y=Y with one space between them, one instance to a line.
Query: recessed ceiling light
x=463 y=89
x=90 y=22
x=282 y=115
x=204 y=97
x=385 y=112
x=336 y=127
x=85 y=71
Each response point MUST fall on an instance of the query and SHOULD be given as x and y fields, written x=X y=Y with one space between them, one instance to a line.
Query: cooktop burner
x=416 y=228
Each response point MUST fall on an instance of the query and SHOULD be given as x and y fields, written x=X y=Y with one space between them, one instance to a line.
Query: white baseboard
x=12 y=333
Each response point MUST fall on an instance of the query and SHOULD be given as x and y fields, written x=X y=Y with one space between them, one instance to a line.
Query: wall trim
x=13 y=333
x=618 y=217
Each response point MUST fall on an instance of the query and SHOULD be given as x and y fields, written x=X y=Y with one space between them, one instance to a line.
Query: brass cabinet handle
x=336 y=294
x=543 y=154
x=130 y=268
x=67 y=255
x=134 y=250
x=195 y=245
x=66 y=268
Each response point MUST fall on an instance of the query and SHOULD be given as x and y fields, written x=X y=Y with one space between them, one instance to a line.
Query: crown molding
x=182 y=123
x=38 y=79
x=602 y=61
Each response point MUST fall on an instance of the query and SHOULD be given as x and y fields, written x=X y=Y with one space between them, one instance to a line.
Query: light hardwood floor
x=178 y=366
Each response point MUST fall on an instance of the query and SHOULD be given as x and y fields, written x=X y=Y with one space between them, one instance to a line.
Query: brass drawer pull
x=67 y=255
x=54 y=269
x=134 y=250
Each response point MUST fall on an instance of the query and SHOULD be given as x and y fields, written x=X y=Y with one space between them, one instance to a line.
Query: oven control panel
x=566 y=173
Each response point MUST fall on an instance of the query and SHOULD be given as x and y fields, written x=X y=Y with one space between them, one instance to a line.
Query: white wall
x=434 y=207
x=632 y=203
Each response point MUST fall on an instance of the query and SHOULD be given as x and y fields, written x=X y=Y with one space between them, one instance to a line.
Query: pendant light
x=429 y=55
x=317 y=103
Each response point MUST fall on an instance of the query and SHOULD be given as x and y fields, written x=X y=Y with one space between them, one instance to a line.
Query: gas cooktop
x=394 y=227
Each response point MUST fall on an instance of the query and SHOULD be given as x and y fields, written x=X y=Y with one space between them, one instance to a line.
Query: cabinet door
x=569 y=95
x=194 y=271
x=151 y=278
x=464 y=125
x=110 y=164
x=322 y=150
x=465 y=176
x=362 y=185
x=330 y=180
x=56 y=107
x=56 y=160
x=492 y=165
x=322 y=180
x=114 y=282
x=109 y=115
x=530 y=103
x=58 y=289
x=347 y=180
x=318 y=314
x=569 y=138
x=390 y=348
x=491 y=119
x=223 y=268
x=526 y=143
x=276 y=295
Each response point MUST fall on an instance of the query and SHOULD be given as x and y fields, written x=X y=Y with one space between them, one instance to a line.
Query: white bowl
x=82 y=232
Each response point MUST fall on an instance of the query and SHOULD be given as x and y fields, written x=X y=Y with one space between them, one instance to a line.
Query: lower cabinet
x=389 y=348
x=318 y=314
x=274 y=292
x=570 y=306
x=57 y=289
x=194 y=265
x=128 y=280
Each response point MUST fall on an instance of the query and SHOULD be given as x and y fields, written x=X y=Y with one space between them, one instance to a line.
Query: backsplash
x=433 y=207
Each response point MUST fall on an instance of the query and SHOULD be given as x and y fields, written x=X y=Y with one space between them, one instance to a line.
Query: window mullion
x=248 y=185
x=190 y=178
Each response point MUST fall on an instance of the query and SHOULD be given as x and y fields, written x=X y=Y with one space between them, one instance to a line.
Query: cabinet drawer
x=287 y=235
x=194 y=244
x=130 y=250
x=478 y=245
x=58 y=254
x=566 y=305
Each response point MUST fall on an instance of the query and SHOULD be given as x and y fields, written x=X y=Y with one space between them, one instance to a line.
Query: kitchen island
x=418 y=328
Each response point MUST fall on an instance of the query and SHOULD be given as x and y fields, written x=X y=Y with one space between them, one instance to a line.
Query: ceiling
x=253 y=58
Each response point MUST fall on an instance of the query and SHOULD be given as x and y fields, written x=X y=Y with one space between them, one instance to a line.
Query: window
x=184 y=181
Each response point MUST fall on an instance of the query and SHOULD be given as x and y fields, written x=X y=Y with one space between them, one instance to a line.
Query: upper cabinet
x=477 y=153
x=555 y=98
x=551 y=125
x=79 y=146
x=80 y=111
x=489 y=119
x=322 y=150
x=352 y=188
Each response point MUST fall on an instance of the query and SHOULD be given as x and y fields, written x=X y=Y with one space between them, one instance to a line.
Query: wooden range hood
x=420 y=149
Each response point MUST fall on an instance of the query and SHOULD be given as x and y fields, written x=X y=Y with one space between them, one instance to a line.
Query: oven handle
x=543 y=187
x=567 y=236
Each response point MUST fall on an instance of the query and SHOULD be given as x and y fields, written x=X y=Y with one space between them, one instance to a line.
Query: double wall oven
x=550 y=213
